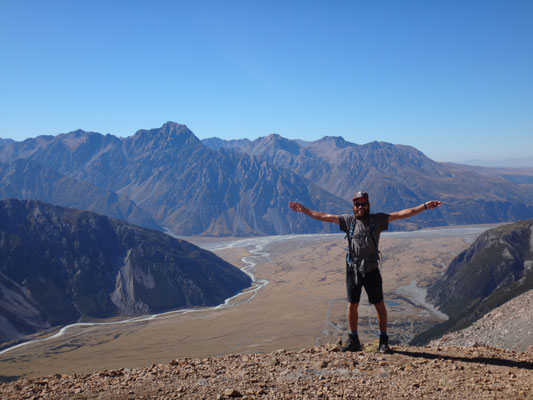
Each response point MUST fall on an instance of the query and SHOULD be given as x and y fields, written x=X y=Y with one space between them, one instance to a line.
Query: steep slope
x=497 y=267
x=58 y=265
x=398 y=177
x=25 y=179
x=508 y=326
x=185 y=186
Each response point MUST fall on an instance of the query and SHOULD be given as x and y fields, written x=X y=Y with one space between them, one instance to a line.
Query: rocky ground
x=509 y=326
x=313 y=373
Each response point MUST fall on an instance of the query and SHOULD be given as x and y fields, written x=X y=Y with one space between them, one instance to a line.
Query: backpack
x=349 y=257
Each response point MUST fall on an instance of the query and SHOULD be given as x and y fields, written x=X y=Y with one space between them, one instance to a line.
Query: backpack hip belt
x=360 y=266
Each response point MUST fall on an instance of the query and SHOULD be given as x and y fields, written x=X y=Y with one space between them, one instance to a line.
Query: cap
x=360 y=195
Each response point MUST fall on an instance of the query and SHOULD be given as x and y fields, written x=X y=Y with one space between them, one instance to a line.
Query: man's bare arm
x=409 y=212
x=313 y=214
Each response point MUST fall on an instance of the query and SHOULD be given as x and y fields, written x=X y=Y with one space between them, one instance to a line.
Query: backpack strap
x=352 y=229
x=349 y=236
x=374 y=237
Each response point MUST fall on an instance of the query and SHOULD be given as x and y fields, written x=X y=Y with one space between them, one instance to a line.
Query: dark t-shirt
x=362 y=245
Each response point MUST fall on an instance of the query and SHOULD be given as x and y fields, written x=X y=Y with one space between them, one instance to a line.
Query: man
x=363 y=229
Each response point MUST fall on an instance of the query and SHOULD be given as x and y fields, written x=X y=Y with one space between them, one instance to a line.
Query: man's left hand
x=433 y=204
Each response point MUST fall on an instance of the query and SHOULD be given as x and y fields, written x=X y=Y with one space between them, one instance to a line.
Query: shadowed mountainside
x=58 y=265
x=497 y=267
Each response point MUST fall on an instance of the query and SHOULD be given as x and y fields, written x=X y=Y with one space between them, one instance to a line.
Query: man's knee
x=380 y=306
x=352 y=307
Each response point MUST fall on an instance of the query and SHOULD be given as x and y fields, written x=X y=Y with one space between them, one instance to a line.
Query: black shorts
x=372 y=283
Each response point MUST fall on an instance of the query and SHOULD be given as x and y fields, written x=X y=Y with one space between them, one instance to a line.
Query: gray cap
x=360 y=195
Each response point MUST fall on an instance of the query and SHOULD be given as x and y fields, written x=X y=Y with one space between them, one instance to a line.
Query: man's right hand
x=296 y=206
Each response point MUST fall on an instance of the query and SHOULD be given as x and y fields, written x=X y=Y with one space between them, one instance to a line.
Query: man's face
x=361 y=208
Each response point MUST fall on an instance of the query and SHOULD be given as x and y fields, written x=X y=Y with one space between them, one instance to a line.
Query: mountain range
x=60 y=265
x=241 y=187
x=396 y=177
x=185 y=186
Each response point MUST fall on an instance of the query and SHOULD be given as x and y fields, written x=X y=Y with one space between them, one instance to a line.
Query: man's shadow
x=484 y=360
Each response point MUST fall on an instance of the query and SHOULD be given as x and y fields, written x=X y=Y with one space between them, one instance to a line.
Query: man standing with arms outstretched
x=362 y=260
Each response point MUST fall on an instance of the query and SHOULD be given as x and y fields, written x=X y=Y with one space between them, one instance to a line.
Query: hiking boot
x=352 y=344
x=384 y=344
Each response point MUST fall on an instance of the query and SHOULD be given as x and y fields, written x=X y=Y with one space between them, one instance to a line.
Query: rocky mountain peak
x=170 y=136
x=76 y=139
x=167 y=130
x=76 y=133
x=274 y=142
x=174 y=128
x=337 y=141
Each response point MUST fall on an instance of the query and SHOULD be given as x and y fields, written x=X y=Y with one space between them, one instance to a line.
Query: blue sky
x=451 y=78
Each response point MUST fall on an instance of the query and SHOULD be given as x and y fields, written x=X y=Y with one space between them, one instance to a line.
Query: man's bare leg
x=352 y=344
x=382 y=316
x=382 y=322
x=353 y=316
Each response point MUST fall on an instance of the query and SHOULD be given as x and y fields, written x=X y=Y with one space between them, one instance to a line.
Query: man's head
x=361 y=205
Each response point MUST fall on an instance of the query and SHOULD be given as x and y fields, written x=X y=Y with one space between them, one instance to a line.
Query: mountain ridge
x=25 y=179
x=400 y=176
x=191 y=189
x=185 y=186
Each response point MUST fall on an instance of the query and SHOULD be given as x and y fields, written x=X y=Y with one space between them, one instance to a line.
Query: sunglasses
x=364 y=204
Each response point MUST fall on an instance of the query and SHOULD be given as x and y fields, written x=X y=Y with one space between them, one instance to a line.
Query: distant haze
x=505 y=163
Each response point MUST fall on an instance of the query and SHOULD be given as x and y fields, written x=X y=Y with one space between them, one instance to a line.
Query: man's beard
x=362 y=216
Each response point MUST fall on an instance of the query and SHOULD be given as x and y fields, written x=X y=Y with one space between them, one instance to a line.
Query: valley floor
x=302 y=305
